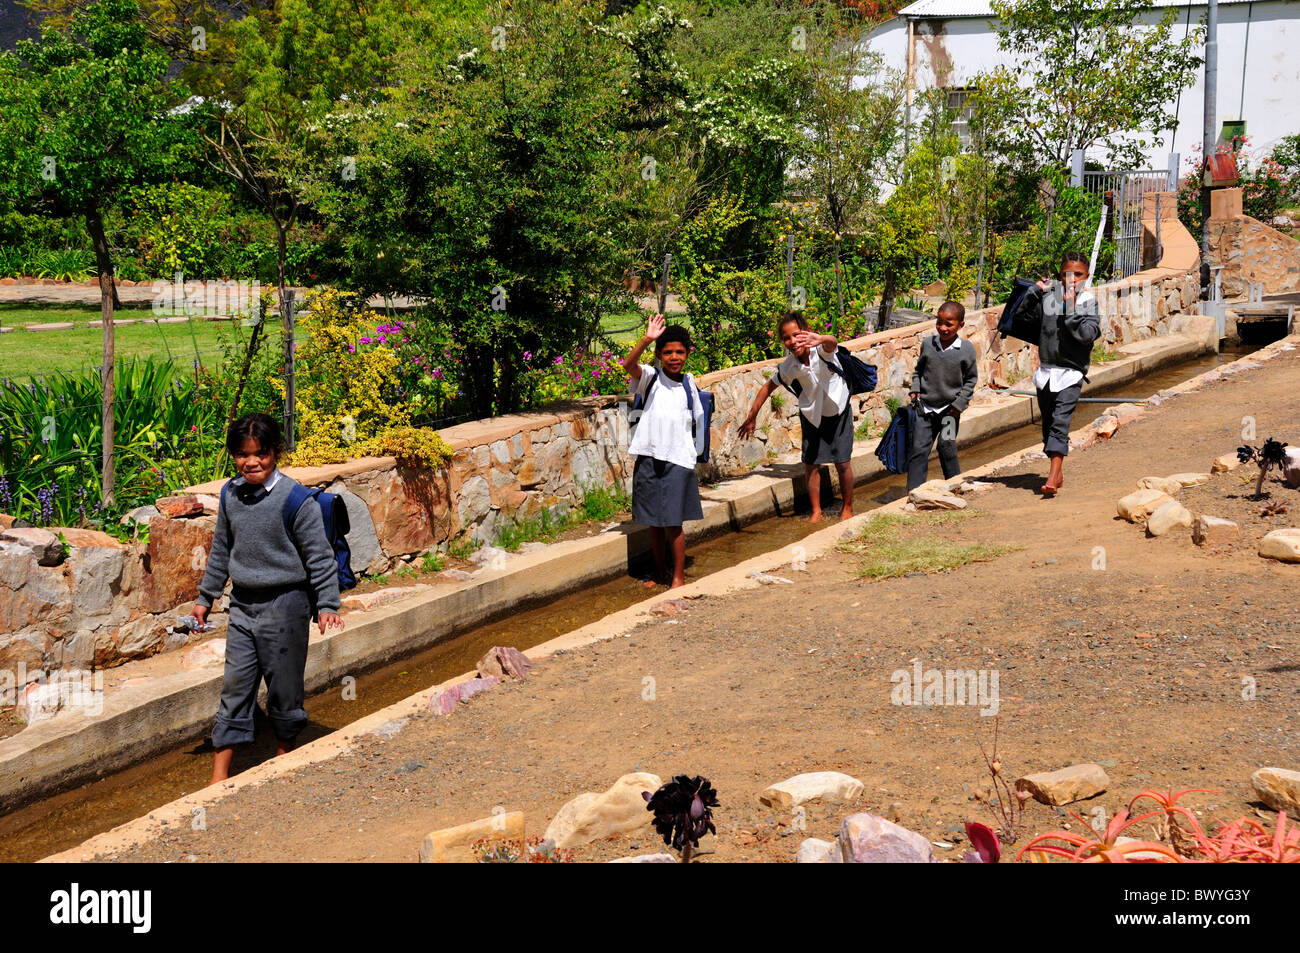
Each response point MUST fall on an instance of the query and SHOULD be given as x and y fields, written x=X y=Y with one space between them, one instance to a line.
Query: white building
x=1259 y=63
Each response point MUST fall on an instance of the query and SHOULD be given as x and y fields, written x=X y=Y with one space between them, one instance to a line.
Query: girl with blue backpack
x=669 y=436
x=283 y=572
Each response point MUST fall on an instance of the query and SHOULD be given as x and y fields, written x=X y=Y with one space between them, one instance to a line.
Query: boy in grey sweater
x=943 y=383
x=280 y=580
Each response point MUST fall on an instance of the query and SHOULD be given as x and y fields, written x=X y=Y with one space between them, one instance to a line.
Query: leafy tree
x=85 y=115
x=494 y=182
x=1085 y=73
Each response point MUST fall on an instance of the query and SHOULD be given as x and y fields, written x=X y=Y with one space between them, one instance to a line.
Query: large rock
x=1065 y=786
x=868 y=839
x=44 y=544
x=590 y=817
x=409 y=508
x=1291 y=468
x=177 y=507
x=1279 y=788
x=1213 y=530
x=445 y=701
x=475 y=501
x=1225 y=462
x=1190 y=479
x=928 y=498
x=97 y=566
x=451 y=845
x=504 y=662
x=139 y=639
x=812 y=786
x=815 y=851
x=178 y=556
x=1170 y=516
x=1283 y=544
x=363 y=542
x=1163 y=484
x=32 y=595
x=1140 y=504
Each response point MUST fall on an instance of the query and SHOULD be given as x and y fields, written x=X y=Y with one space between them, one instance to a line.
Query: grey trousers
x=267 y=638
x=1057 y=409
x=928 y=427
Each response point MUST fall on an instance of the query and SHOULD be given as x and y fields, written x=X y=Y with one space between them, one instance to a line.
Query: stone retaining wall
x=108 y=603
x=1250 y=250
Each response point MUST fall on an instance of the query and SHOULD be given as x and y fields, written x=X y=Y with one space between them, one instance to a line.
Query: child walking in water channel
x=283 y=572
x=812 y=373
x=667 y=438
x=1070 y=324
x=943 y=383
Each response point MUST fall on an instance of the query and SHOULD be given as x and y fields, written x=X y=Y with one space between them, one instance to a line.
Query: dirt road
x=1135 y=653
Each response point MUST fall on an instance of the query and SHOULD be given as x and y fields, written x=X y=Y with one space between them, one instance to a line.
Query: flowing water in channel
x=64 y=820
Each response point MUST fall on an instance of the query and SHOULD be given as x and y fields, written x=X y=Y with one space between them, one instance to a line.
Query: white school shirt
x=954 y=346
x=823 y=392
x=664 y=429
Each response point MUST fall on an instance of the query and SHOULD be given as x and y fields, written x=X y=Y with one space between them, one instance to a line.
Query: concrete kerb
x=152 y=718
x=612 y=626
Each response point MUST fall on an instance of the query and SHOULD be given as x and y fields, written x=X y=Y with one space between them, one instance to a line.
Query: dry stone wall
x=107 y=602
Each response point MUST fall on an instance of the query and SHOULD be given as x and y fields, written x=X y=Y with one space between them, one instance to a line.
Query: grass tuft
x=889 y=548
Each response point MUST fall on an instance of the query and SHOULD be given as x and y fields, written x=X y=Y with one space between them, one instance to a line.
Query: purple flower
x=365 y=340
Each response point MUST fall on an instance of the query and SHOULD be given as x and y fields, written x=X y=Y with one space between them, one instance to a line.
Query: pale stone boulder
x=46 y=546
x=924 y=498
x=1163 y=484
x=814 y=851
x=211 y=652
x=1225 y=462
x=1190 y=479
x=1075 y=783
x=1213 y=530
x=1172 y=515
x=868 y=839
x=1283 y=544
x=590 y=817
x=1140 y=504
x=647 y=859
x=811 y=787
x=1279 y=788
x=451 y=845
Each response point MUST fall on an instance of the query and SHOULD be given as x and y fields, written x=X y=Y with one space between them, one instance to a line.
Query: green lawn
x=35 y=353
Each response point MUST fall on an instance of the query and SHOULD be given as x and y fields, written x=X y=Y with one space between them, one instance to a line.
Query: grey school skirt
x=664 y=494
x=831 y=441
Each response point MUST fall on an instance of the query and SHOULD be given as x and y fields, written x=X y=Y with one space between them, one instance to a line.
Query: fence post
x=1076 y=168
x=1159 y=220
x=663 y=284
x=1174 y=159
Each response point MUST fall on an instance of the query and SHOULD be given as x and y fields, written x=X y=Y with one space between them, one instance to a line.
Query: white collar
x=956 y=343
x=268 y=484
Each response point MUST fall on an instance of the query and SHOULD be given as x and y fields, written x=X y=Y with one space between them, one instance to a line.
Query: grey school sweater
x=945 y=377
x=251 y=548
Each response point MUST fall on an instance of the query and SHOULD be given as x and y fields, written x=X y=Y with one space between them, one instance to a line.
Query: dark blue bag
x=335 y=516
x=896 y=445
x=1017 y=321
x=857 y=373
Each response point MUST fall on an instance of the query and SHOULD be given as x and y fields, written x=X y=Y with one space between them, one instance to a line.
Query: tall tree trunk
x=286 y=320
x=243 y=372
x=104 y=261
x=887 y=299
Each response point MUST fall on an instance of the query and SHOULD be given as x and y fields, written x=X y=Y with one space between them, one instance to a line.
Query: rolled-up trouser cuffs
x=267 y=639
x=1057 y=409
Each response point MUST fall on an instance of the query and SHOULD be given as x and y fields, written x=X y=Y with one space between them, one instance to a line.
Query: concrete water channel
x=58 y=821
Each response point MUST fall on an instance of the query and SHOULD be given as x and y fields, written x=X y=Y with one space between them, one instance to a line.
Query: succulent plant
x=683 y=814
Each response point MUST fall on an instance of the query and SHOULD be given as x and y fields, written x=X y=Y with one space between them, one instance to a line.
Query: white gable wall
x=949 y=52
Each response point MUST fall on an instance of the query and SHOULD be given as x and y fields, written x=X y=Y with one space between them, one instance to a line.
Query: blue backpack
x=334 y=514
x=705 y=399
x=857 y=373
x=896 y=445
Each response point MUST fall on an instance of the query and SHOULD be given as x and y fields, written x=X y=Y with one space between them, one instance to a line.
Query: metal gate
x=1122 y=191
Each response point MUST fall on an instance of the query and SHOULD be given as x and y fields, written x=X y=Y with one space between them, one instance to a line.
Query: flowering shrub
x=580 y=373
x=351 y=388
x=733 y=314
x=1267 y=185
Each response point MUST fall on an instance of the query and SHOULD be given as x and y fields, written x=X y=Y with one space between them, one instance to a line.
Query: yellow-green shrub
x=348 y=399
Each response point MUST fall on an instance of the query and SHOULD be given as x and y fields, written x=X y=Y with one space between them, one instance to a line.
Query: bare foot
x=816 y=517
x=846 y=514
x=283 y=747
x=677 y=581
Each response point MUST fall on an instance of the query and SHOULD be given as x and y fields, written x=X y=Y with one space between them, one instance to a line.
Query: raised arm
x=632 y=363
